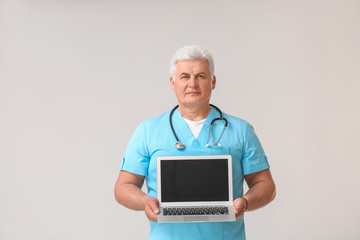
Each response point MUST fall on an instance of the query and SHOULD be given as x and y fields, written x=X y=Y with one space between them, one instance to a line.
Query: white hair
x=192 y=52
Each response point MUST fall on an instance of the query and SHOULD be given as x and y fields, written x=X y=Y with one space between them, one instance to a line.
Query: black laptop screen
x=194 y=180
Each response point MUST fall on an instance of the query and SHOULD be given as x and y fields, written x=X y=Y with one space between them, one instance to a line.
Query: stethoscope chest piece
x=179 y=145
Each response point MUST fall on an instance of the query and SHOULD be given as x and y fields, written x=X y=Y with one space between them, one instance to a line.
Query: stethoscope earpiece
x=179 y=145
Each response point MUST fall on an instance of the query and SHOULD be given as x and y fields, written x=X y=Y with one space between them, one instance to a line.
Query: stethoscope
x=180 y=145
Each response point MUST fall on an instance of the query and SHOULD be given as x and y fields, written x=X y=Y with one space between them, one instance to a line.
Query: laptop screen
x=197 y=180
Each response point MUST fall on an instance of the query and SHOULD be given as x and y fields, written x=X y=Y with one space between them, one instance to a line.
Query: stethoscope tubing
x=180 y=145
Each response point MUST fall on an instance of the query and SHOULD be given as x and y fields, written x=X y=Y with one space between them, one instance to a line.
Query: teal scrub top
x=154 y=138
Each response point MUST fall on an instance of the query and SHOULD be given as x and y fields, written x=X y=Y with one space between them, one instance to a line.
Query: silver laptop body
x=195 y=188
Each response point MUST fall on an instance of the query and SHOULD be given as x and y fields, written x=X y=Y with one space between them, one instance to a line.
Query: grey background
x=77 y=77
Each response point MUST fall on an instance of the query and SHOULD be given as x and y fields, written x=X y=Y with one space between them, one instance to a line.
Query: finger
x=150 y=215
x=240 y=214
x=236 y=206
x=239 y=208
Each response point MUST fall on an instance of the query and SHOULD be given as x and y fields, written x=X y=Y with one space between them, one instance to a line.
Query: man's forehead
x=198 y=65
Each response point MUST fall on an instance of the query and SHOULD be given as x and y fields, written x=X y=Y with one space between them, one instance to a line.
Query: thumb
x=154 y=205
x=236 y=206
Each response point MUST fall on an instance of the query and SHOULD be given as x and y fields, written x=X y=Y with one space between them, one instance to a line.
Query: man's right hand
x=151 y=208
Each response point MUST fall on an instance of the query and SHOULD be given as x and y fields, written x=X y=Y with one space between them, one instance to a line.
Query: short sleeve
x=136 y=158
x=253 y=159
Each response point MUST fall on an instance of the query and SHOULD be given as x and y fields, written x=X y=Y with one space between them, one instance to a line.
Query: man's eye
x=184 y=77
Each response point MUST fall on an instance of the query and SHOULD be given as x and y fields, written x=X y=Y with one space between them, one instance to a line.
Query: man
x=192 y=79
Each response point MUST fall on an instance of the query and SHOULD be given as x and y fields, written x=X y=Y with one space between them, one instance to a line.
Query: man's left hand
x=239 y=206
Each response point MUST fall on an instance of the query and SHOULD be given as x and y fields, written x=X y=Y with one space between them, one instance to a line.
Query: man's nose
x=193 y=82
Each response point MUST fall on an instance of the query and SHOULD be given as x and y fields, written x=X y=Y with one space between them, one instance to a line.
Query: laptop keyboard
x=196 y=211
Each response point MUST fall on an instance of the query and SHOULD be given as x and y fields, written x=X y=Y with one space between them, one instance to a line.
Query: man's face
x=193 y=83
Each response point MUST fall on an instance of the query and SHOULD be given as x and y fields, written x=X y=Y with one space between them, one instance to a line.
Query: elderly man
x=192 y=79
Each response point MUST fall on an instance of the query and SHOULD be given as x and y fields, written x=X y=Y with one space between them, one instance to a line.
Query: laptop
x=195 y=188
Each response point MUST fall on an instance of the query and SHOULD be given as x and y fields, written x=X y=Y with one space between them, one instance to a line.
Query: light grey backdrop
x=77 y=77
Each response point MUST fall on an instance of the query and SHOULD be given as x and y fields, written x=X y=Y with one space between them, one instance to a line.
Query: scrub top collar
x=184 y=133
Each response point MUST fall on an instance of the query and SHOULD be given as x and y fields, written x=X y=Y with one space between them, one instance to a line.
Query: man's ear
x=213 y=83
x=172 y=83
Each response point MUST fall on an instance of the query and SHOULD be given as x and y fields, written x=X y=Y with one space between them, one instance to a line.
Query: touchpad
x=196 y=218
